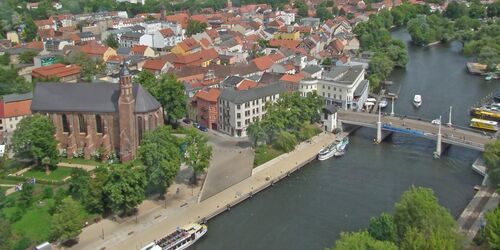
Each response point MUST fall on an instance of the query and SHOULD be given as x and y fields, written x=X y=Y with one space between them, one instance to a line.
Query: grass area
x=58 y=174
x=265 y=153
x=82 y=161
x=36 y=222
x=10 y=182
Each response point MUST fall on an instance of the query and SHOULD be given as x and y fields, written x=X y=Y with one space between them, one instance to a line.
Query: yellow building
x=287 y=36
x=185 y=47
x=13 y=37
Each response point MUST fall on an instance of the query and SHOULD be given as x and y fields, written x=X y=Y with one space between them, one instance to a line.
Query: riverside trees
x=419 y=222
x=492 y=160
x=198 y=153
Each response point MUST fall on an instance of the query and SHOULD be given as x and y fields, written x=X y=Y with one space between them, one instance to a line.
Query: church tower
x=126 y=108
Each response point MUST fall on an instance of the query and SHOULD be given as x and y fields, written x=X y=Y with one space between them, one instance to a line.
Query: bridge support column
x=379 y=128
x=438 y=151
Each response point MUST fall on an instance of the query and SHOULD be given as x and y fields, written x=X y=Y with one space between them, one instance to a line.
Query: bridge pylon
x=439 y=150
x=379 y=128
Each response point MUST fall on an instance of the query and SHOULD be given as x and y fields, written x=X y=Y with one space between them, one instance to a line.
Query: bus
x=484 y=124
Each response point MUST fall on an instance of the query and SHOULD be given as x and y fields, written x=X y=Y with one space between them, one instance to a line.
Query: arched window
x=65 y=124
x=99 y=124
x=82 y=124
x=151 y=122
x=140 y=127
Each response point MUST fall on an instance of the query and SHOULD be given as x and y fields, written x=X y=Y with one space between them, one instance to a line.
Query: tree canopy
x=492 y=228
x=198 y=151
x=68 y=221
x=34 y=138
x=124 y=188
x=361 y=241
x=195 y=27
x=492 y=159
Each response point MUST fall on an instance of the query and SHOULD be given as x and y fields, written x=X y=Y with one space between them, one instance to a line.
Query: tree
x=124 y=188
x=5 y=59
x=79 y=183
x=170 y=93
x=34 y=138
x=25 y=198
x=147 y=80
x=89 y=66
x=361 y=241
x=419 y=210
x=327 y=61
x=286 y=141
x=12 y=82
x=198 y=152
x=398 y=55
x=493 y=10
x=256 y=132
x=306 y=131
x=5 y=234
x=94 y=200
x=381 y=65
x=111 y=41
x=160 y=155
x=456 y=10
x=492 y=228
x=490 y=57
x=67 y=221
x=27 y=56
x=492 y=159
x=195 y=27
x=383 y=228
x=323 y=13
x=436 y=239
x=302 y=8
x=30 y=29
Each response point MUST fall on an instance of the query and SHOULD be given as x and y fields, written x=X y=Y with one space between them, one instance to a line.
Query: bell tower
x=126 y=108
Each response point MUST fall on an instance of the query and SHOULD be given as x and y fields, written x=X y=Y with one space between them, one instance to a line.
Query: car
x=186 y=120
x=202 y=128
x=436 y=121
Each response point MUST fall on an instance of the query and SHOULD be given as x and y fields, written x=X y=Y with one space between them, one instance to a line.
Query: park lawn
x=9 y=182
x=36 y=222
x=56 y=175
x=264 y=153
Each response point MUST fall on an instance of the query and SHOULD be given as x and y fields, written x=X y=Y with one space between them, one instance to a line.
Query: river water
x=309 y=209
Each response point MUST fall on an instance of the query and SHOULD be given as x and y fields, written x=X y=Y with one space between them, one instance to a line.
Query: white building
x=130 y=39
x=239 y=108
x=13 y=108
x=344 y=87
x=288 y=18
x=329 y=118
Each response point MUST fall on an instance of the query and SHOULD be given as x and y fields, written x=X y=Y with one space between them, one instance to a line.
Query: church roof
x=87 y=97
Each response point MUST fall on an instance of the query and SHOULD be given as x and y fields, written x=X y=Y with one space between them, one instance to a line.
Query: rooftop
x=242 y=96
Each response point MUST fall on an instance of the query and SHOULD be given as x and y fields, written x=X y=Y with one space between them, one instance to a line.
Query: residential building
x=13 y=108
x=207 y=113
x=89 y=116
x=187 y=46
x=239 y=108
x=57 y=72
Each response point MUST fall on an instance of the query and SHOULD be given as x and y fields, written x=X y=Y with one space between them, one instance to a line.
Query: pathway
x=135 y=236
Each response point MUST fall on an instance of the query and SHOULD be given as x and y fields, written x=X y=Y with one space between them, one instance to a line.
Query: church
x=88 y=117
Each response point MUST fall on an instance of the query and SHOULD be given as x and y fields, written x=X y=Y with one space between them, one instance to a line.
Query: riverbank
x=211 y=207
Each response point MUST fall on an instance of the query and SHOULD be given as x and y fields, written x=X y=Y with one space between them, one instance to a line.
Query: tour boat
x=484 y=124
x=383 y=103
x=180 y=239
x=417 y=100
x=327 y=152
x=341 y=147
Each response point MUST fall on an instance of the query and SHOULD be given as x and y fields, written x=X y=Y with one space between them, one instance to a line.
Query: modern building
x=239 y=108
x=344 y=87
x=13 y=108
x=91 y=116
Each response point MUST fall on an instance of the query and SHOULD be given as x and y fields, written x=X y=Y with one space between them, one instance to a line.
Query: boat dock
x=476 y=68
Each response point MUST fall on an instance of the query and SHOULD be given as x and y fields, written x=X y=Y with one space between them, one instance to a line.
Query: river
x=313 y=206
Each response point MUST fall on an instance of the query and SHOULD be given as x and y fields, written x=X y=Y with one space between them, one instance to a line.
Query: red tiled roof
x=204 y=43
x=39 y=23
x=263 y=62
x=94 y=49
x=210 y=96
x=167 y=32
x=35 y=45
x=116 y=58
x=197 y=58
x=284 y=43
x=155 y=64
x=139 y=49
x=181 y=18
x=56 y=70
x=199 y=18
x=189 y=44
x=292 y=78
x=339 y=46
x=246 y=84
x=19 y=108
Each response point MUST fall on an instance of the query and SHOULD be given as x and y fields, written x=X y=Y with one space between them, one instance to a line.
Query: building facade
x=105 y=116
x=239 y=108
x=207 y=113
x=13 y=108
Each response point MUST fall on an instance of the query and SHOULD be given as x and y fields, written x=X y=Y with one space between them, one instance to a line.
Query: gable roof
x=56 y=70
x=155 y=64
x=210 y=96
x=242 y=96
x=87 y=97
x=263 y=62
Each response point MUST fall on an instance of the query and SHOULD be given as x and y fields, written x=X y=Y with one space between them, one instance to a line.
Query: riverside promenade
x=266 y=175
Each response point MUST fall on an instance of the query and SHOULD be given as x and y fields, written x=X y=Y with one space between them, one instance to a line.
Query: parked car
x=186 y=120
x=436 y=121
x=202 y=128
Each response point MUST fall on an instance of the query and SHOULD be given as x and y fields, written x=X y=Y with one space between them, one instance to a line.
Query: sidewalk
x=135 y=236
x=72 y=165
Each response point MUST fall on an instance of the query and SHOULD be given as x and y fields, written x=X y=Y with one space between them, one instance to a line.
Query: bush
x=48 y=192
x=286 y=141
x=22 y=244
x=17 y=215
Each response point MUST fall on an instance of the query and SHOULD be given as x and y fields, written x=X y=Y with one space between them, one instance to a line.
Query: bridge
x=385 y=124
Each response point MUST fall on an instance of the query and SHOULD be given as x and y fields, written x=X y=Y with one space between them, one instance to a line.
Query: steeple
x=126 y=113
x=125 y=82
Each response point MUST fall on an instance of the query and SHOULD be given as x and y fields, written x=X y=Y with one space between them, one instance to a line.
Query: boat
x=484 y=124
x=341 y=147
x=383 y=103
x=327 y=152
x=417 y=100
x=485 y=113
x=180 y=239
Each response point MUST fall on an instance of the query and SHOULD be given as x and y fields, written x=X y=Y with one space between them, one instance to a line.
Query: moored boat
x=484 y=124
x=341 y=147
x=383 y=103
x=485 y=113
x=327 y=152
x=417 y=100
x=180 y=239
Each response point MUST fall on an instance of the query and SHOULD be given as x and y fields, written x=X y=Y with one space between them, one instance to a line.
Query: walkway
x=464 y=137
x=138 y=236
x=471 y=218
x=73 y=165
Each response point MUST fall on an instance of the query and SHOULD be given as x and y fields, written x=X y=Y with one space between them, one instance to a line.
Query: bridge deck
x=453 y=135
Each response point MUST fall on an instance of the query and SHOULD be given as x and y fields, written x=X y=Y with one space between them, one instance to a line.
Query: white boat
x=417 y=100
x=327 y=152
x=383 y=103
x=182 y=238
x=341 y=147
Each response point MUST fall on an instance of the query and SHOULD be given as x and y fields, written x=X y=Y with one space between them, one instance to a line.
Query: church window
x=140 y=126
x=82 y=124
x=99 y=124
x=65 y=124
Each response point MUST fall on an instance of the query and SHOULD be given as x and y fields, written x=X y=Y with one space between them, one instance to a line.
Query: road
x=452 y=135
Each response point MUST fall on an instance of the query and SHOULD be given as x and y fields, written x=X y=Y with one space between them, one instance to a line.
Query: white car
x=436 y=121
